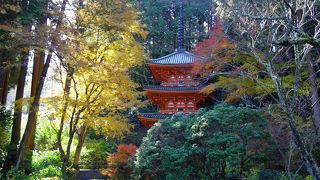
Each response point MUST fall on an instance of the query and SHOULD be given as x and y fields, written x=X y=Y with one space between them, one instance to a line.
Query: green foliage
x=31 y=11
x=206 y=145
x=266 y=175
x=46 y=135
x=5 y=125
x=95 y=150
x=49 y=171
x=46 y=164
x=18 y=175
x=161 y=19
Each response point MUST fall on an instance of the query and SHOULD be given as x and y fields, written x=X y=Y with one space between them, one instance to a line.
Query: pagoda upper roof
x=175 y=88
x=179 y=57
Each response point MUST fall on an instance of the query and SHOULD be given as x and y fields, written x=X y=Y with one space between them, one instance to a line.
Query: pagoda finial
x=181 y=27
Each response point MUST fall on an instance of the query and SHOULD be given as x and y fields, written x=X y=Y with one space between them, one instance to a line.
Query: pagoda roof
x=174 y=88
x=158 y=116
x=179 y=57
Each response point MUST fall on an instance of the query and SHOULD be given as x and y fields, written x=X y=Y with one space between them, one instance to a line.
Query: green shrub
x=18 y=175
x=211 y=144
x=5 y=125
x=49 y=171
x=95 y=151
x=271 y=175
x=46 y=135
x=46 y=164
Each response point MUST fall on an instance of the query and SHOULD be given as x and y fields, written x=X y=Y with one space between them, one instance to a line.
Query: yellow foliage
x=101 y=55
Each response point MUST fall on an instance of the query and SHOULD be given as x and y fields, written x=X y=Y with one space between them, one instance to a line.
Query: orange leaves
x=217 y=51
x=127 y=149
x=118 y=161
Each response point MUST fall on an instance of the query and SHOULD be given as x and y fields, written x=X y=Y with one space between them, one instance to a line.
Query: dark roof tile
x=156 y=115
x=175 y=88
x=180 y=56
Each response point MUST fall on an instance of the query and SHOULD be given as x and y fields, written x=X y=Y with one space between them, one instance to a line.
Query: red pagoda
x=177 y=90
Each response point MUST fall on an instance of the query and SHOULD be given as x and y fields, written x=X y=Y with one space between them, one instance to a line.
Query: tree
x=210 y=144
x=35 y=104
x=97 y=88
x=279 y=37
x=161 y=18
x=19 y=45
x=9 y=11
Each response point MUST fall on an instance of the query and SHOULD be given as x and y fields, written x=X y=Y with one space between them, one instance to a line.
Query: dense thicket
x=218 y=143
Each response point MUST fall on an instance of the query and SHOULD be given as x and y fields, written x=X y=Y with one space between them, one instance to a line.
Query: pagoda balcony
x=179 y=89
x=186 y=111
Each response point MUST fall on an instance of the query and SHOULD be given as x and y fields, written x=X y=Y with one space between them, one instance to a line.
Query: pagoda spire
x=181 y=27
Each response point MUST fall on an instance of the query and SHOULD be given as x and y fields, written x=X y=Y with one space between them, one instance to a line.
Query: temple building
x=177 y=89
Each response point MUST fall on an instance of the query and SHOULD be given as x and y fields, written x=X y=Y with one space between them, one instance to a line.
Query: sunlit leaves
x=100 y=55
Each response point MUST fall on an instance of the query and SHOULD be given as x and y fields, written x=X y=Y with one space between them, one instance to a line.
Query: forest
x=78 y=77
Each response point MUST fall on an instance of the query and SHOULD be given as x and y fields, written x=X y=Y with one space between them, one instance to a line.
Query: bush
x=49 y=172
x=118 y=162
x=5 y=125
x=46 y=135
x=96 y=150
x=18 y=175
x=212 y=144
x=46 y=164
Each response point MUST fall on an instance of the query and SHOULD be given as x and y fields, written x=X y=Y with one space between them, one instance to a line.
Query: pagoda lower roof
x=175 y=88
x=158 y=116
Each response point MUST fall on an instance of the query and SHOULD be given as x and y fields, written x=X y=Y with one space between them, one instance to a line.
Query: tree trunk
x=16 y=126
x=63 y=116
x=82 y=136
x=38 y=63
x=307 y=157
x=37 y=68
x=314 y=93
x=35 y=105
x=2 y=77
x=5 y=86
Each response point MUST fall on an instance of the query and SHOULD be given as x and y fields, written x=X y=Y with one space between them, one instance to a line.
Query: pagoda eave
x=174 y=92
x=148 y=119
x=170 y=65
x=147 y=122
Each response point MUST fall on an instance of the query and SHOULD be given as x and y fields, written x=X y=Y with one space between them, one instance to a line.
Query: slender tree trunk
x=35 y=105
x=72 y=131
x=16 y=125
x=63 y=116
x=5 y=86
x=307 y=157
x=2 y=77
x=314 y=93
x=82 y=137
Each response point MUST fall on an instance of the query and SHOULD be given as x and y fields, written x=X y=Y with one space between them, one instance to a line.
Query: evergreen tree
x=161 y=19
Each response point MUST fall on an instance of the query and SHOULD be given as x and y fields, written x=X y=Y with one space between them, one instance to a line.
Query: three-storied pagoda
x=178 y=89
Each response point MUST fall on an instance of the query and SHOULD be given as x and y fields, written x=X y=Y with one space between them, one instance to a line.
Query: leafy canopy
x=209 y=144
